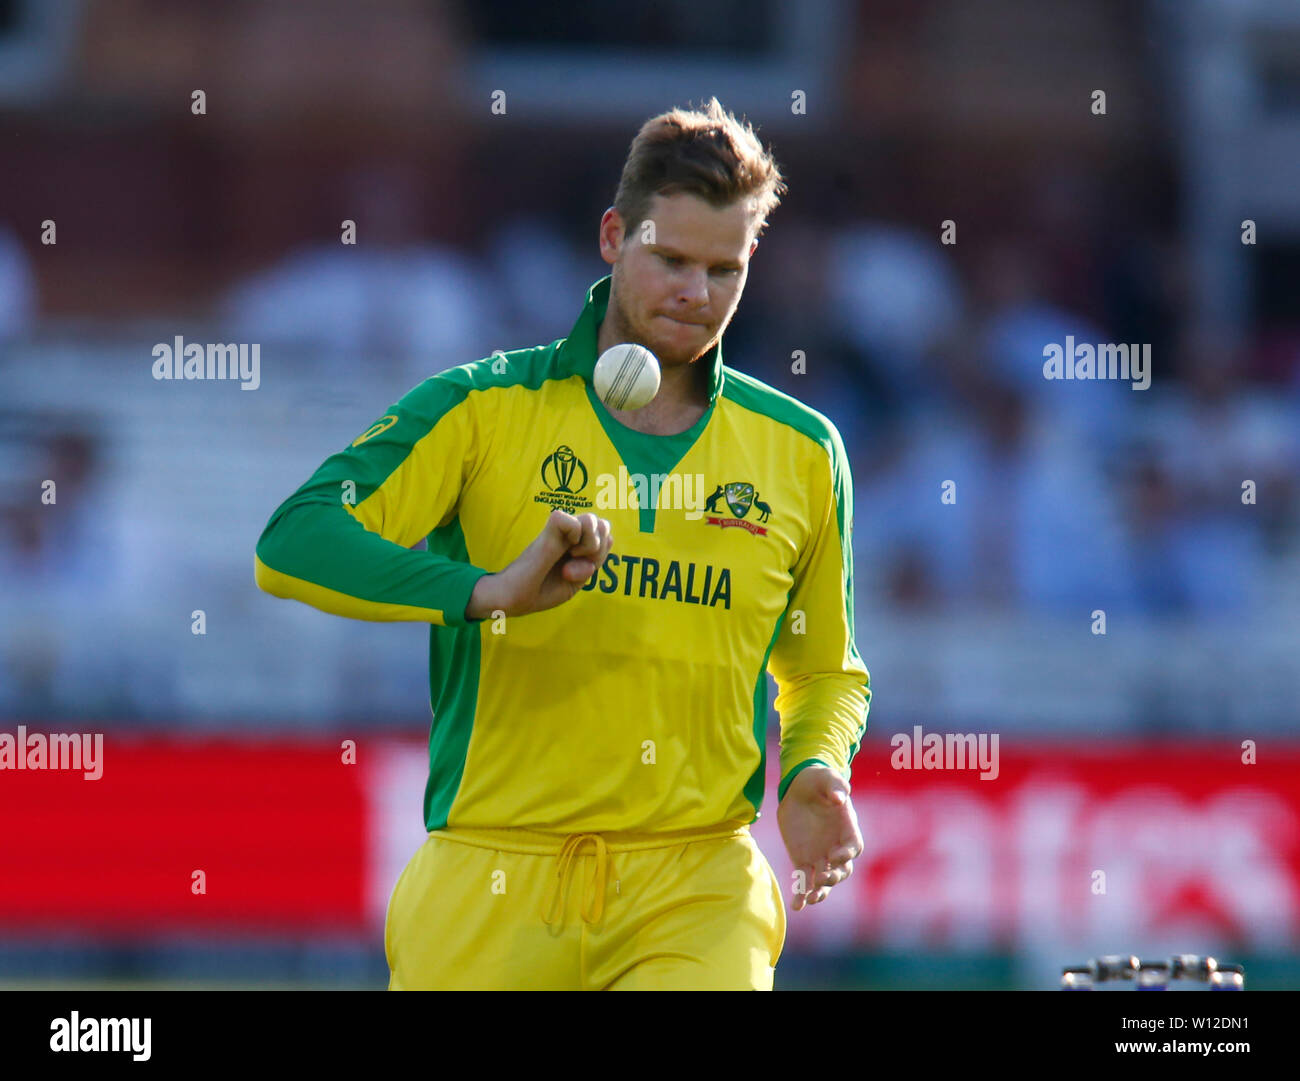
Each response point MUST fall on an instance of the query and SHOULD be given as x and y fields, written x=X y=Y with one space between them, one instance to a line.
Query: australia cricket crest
x=741 y=498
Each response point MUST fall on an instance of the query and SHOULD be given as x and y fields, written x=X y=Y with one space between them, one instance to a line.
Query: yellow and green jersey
x=640 y=704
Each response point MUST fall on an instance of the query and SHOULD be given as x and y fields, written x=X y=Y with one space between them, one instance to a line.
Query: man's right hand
x=550 y=571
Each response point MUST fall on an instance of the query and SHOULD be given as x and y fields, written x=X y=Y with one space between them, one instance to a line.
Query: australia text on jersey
x=714 y=583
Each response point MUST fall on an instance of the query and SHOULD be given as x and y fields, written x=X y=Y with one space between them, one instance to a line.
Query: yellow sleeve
x=823 y=688
x=342 y=542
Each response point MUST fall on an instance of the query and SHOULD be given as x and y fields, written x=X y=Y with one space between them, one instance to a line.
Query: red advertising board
x=185 y=835
x=1116 y=845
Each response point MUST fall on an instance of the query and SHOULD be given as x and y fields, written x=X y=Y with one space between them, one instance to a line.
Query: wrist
x=484 y=599
x=816 y=765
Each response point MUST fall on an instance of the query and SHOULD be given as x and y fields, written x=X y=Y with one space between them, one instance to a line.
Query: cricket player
x=606 y=590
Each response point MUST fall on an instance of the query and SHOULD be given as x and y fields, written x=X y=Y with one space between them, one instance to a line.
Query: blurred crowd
x=979 y=484
x=1065 y=496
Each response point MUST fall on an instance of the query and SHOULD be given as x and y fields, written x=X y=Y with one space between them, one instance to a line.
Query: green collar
x=578 y=353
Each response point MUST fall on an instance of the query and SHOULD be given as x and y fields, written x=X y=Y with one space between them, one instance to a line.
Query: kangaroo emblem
x=764 y=511
x=711 y=504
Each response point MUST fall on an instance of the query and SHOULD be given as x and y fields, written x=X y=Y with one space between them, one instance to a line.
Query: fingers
x=839 y=865
x=591 y=533
x=814 y=896
x=845 y=854
x=568 y=527
x=596 y=539
x=816 y=884
x=578 y=570
x=834 y=875
x=800 y=896
x=819 y=883
x=591 y=539
x=563 y=531
x=604 y=540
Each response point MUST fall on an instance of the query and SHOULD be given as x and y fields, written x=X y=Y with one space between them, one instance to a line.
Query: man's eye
x=671 y=260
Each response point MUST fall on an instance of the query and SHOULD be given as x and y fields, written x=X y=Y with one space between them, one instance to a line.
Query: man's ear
x=611 y=235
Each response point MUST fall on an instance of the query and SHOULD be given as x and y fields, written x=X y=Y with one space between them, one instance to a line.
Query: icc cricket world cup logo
x=559 y=469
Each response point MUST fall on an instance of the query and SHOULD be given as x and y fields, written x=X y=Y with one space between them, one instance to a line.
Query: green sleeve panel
x=342 y=542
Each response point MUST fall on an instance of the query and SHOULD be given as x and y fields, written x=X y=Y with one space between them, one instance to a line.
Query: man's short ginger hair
x=705 y=152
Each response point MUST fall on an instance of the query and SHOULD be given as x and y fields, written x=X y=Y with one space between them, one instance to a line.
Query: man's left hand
x=820 y=830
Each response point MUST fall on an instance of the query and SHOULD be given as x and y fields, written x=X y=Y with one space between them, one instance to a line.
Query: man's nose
x=694 y=289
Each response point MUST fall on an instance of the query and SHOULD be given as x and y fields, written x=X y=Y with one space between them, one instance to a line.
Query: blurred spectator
x=1029 y=522
x=17 y=289
x=1198 y=547
x=788 y=317
x=390 y=296
x=542 y=275
x=59 y=651
x=1016 y=323
x=894 y=294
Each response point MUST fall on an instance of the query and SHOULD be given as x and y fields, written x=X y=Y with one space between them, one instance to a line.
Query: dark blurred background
x=476 y=230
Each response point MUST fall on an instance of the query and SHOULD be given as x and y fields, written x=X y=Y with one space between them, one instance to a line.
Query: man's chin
x=671 y=354
x=671 y=359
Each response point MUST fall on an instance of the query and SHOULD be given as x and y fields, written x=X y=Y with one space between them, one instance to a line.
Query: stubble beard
x=625 y=331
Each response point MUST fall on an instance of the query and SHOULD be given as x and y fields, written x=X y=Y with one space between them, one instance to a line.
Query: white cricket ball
x=626 y=376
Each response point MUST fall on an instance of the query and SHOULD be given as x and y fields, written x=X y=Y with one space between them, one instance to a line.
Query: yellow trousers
x=509 y=909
